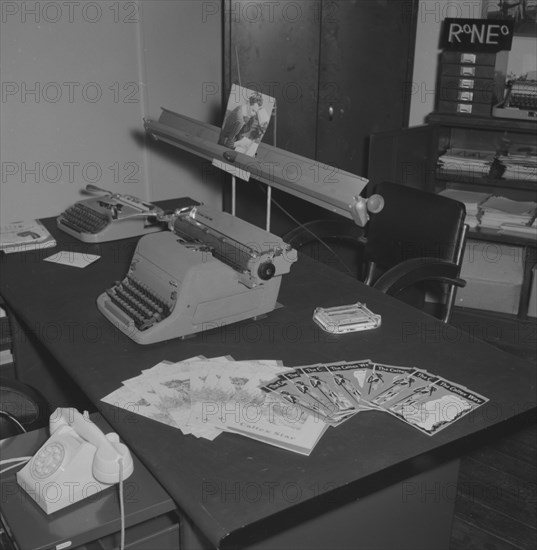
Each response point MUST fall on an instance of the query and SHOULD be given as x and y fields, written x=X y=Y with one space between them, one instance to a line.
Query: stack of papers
x=521 y=167
x=520 y=229
x=23 y=236
x=466 y=163
x=472 y=201
x=290 y=408
x=498 y=211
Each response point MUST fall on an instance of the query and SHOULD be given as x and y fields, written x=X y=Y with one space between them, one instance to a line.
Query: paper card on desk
x=73 y=259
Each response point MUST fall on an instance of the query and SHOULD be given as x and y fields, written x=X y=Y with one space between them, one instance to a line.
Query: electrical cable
x=13 y=419
x=19 y=461
x=323 y=243
x=121 y=505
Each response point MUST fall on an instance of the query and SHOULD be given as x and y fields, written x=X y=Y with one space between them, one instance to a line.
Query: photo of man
x=246 y=121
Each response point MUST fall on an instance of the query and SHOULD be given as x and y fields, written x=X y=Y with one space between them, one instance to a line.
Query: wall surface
x=76 y=80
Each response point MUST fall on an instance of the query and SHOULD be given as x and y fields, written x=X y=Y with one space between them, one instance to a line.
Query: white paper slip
x=73 y=259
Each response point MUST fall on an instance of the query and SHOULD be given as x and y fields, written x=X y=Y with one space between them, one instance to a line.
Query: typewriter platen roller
x=209 y=270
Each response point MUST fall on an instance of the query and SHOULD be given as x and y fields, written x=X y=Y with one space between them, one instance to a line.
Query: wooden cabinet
x=340 y=70
x=414 y=157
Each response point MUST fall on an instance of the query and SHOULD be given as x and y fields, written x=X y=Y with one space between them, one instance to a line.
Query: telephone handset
x=76 y=462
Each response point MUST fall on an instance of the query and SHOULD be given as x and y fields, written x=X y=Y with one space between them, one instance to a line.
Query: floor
x=496 y=502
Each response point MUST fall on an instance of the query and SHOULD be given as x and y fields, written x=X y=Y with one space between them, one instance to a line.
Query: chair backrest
x=416 y=224
x=413 y=224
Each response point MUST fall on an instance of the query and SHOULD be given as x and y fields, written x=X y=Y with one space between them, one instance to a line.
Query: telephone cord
x=121 y=505
x=19 y=461
x=13 y=419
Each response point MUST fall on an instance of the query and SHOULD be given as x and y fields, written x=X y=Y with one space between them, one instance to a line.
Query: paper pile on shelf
x=520 y=167
x=497 y=211
x=466 y=163
x=472 y=201
x=520 y=229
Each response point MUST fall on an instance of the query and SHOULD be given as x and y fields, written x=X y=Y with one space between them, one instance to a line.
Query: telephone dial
x=76 y=462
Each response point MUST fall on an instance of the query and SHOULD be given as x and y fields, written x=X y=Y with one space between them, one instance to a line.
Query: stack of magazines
x=23 y=236
x=290 y=408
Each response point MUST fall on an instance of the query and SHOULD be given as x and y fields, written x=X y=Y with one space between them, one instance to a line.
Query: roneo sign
x=477 y=35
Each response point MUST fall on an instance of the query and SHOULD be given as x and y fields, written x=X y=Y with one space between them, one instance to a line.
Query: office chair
x=412 y=248
x=22 y=408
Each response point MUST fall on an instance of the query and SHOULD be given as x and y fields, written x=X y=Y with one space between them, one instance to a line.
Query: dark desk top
x=213 y=482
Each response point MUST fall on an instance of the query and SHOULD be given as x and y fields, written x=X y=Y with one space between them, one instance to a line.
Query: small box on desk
x=493 y=273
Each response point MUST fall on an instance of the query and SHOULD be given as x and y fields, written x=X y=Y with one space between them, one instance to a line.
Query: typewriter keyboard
x=139 y=302
x=84 y=219
x=524 y=95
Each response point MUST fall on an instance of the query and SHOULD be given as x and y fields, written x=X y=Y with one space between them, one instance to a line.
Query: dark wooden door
x=366 y=59
x=340 y=70
x=274 y=47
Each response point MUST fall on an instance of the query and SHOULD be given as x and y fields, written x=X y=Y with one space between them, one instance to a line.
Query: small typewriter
x=520 y=101
x=109 y=217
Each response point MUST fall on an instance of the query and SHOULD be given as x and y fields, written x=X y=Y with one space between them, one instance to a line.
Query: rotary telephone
x=76 y=462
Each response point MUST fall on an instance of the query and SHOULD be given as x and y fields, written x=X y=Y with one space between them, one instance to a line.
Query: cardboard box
x=493 y=273
x=532 y=304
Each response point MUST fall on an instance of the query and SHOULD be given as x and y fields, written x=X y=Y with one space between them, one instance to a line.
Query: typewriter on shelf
x=110 y=217
x=520 y=101
x=210 y=269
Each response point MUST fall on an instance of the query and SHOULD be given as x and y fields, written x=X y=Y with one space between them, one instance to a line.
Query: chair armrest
x=418 y=270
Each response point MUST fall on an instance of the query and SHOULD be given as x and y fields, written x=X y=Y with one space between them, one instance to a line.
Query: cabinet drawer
x=466 y=95
x=467 y=71
x=473 y=58
x=468 y=83
x=467 y=108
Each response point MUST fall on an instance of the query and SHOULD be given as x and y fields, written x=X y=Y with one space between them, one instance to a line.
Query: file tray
x=342 y=319
x=332 y=189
